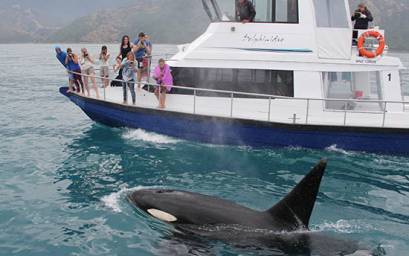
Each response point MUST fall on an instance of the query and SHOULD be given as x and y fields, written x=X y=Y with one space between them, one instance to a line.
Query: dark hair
x=104 y=48
x=123 y=41
x=141 y=34
x=69 y=50
x=162 y=60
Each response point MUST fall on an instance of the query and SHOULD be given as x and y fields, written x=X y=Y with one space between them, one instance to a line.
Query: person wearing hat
x=140 y=49
x=362 y=16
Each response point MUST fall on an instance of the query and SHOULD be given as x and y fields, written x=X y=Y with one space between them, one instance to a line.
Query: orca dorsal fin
x=294 y=211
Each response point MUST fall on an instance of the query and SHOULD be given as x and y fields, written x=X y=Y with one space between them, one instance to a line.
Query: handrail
x=250 y=94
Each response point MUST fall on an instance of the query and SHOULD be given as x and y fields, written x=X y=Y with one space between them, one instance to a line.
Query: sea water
x=64 y=179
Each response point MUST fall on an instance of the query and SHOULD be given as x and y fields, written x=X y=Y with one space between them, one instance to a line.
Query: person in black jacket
x=362 y=16
x=245 y=11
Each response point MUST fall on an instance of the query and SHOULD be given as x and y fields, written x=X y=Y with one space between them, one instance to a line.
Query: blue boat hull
x=219 y=130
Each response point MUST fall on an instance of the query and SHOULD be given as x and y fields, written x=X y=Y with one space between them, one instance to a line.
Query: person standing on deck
x=163 y=76
x=125 y=48
x=245 y=11
x=104 y=57
x=73 y=65
x=128 y=66
x=362 y=16
x=61 y=56
x=140 y=49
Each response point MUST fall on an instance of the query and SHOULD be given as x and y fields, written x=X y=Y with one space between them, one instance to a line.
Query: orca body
x=181 y=207
x=284 y=226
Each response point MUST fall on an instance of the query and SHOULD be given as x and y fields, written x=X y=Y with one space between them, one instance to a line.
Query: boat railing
x=309 y=108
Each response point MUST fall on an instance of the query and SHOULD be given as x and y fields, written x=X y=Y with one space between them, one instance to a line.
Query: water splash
x=334 y=148
x=342 y=226
x=151 y=137
x=113 y=200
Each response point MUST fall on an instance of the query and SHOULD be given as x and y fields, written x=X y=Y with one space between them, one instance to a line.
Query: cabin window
x=269 y=11
x=271 y=82
x=276 y=11
x=353 y=86
x=331 y=13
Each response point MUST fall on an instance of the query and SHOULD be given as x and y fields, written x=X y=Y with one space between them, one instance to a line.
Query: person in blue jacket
x=62 y=56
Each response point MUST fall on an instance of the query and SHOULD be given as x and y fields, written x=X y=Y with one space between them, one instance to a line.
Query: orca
x=284 y=226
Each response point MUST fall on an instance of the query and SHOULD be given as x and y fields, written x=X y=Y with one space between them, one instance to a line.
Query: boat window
x=353 y=86
x=271 y=11
x=280 y=83
x=331 y=13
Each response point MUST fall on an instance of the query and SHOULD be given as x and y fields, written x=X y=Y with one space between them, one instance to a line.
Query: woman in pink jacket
x=162 y=75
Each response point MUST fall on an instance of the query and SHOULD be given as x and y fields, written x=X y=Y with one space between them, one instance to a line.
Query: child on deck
x=163 y=76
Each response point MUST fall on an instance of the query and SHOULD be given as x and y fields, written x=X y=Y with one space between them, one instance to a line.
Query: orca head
x=157 y=203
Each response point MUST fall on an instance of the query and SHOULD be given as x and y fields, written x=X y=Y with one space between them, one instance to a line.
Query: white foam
x=113 y=200
x=334 y=148
x=151 y=137
x=341 y=226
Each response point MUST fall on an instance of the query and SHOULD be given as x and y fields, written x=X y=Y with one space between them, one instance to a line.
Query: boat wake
x=142 y=135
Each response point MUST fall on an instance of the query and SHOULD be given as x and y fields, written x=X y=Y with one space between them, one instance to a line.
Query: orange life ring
x=371 y=54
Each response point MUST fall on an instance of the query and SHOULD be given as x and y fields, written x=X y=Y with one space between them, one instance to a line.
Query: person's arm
x=90 y=59
x=369 y=16
x=355 y=15
x=107 y=56
x=75 y=58
x=67 y=59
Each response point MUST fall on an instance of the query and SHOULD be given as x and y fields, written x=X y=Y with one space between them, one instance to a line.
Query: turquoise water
x=63 y=178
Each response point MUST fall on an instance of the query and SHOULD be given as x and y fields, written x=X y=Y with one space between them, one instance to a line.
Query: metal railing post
x=194 y=101
x=308 y=111
x=384 y=115
x=345 y=117
x=269 y=109
x=231 y=104
x=104 y=92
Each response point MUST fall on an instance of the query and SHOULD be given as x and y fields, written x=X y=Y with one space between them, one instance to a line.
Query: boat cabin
x=295 y=49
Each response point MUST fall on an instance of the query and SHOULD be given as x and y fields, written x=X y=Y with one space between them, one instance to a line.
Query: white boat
x=291 y=78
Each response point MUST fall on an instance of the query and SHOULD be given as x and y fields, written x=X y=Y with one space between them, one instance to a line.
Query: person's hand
x=363 y=16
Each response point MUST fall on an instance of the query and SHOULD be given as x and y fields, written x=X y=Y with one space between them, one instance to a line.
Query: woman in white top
x=87 y=68
x=104 y=58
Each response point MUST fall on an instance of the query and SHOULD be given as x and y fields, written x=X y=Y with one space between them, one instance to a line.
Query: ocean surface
x=64 y=178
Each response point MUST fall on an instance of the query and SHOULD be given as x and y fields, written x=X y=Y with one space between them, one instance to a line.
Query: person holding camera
x=87 y=67
x=104 y=58
x=74 y=68
x=362 y=16
x=129 y=69
x=140 y=49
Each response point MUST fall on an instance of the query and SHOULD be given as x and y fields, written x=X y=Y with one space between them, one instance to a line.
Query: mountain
x=24 y=21
x=165 y=21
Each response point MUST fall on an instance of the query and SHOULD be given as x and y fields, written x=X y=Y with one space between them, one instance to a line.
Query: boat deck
x=290 y=111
